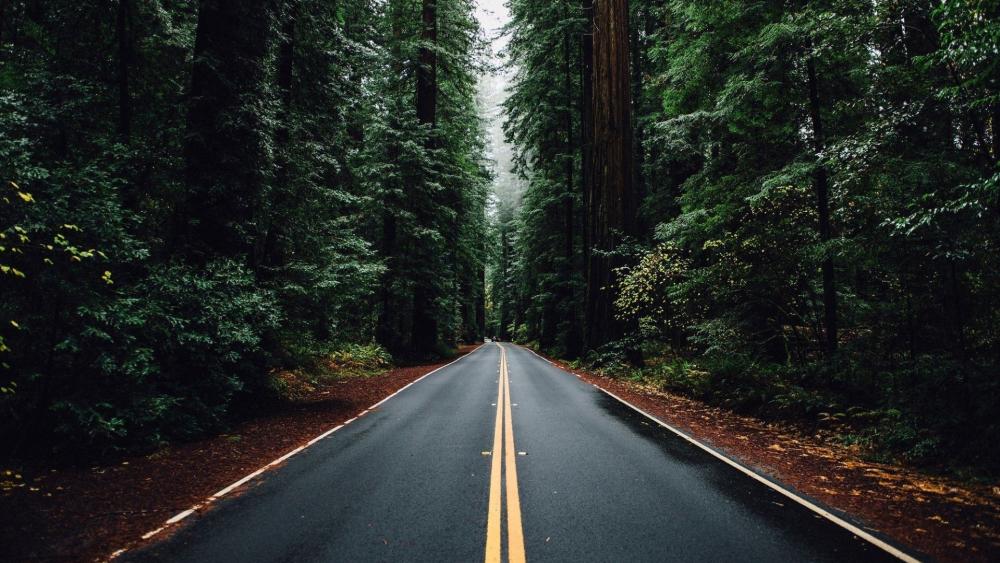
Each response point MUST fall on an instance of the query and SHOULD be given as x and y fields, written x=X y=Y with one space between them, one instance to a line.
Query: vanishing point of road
x=501 y=456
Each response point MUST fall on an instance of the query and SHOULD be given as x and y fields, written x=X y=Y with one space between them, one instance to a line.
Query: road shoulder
x=948 y=520
x=85 y=514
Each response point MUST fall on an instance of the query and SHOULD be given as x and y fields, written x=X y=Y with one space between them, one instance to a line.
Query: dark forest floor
x=86 y=514
x=944 y=518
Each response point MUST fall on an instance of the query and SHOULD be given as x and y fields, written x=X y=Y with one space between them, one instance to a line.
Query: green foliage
x=358 y=360
x=911 y=166
x=540 y=288
x=152 y=285
x=652 y=293
x=431 y=185
x=730 y=99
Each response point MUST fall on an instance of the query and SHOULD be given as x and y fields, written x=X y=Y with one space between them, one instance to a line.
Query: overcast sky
x=507 y=188
x=492 y=15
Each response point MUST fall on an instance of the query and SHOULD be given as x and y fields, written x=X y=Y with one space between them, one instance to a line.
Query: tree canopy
x=200 y=192
x=817 y=199
x=789 y=208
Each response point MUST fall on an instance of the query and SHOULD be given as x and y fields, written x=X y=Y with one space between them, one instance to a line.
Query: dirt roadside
x=945 y=519
x=86 y=514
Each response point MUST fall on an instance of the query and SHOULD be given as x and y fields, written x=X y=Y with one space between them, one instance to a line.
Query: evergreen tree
x=207 y=182
x=816 y=187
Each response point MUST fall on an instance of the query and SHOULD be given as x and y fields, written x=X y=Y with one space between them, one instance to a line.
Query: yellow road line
x=503 y=439
x=515 y=534
x=493 y=514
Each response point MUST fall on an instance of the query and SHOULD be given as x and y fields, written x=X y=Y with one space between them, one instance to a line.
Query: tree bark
x=124 y=59
x=427 y=71
x=269 y=251
x=424 y=330
x=226 y=155
x=388 y=331
x=636 y=65
x=995 y=132
x=587 y=121
x=613 y=201
x=568 y=156
x=823 y=208
x=286 y=69
x=3 y=19
x=504 y=272
x=481 y=300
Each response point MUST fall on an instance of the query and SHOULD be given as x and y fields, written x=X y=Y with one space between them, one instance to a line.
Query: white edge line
x=544 y=359
x=892 y=550
x=235 y=485
x=181 y=516
x=415 y=381
x=324 y=435
x=286 y=456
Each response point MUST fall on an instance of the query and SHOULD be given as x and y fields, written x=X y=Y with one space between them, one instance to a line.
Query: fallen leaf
x=937 y=518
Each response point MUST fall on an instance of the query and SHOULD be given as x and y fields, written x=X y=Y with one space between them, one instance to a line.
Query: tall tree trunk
x=3 y=18
x=572 y=336
x=636 y=33
x=388 y=331
x=568 y=156
x=613 y=202
x=286 y=69
x=427 y=71
x=124 y=59
x=995 y=132
x=271 y=226
x=481 y=300
x=587 y=122
x=424 y=331
x=823 y=207
x=504 y=273
x=226 y=154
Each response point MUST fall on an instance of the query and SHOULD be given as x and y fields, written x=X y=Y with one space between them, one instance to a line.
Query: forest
x=789 y=209
x=197 y=193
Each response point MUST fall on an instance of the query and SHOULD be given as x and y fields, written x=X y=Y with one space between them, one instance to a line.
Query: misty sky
x=492 y=16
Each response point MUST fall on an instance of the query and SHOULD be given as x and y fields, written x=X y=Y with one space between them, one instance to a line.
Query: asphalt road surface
x=501 y=456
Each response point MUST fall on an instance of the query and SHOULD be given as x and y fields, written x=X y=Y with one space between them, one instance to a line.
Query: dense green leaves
x=909 y=163
x=194 y=195
x=819 y=207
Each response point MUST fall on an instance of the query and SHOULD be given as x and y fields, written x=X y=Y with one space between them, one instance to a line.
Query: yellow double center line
x=503 y=437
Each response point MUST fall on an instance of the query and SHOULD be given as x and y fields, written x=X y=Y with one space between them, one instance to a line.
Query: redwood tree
x=612 y=201
x=424 y=330
x=226 y=146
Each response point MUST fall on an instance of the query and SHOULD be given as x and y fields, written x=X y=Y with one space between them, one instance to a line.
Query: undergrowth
x=350 y=361
x=899 y=416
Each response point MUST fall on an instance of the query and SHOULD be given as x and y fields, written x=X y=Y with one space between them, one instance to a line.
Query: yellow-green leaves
x=25 y=196
x=11 y=271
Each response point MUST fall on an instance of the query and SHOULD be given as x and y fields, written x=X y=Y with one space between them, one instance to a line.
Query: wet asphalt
x=598 y=482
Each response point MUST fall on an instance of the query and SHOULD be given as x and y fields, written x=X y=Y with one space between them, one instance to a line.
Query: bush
x=160 y=360
x=357 y=360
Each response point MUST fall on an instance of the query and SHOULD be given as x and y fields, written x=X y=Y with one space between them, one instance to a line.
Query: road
x=501 y=456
